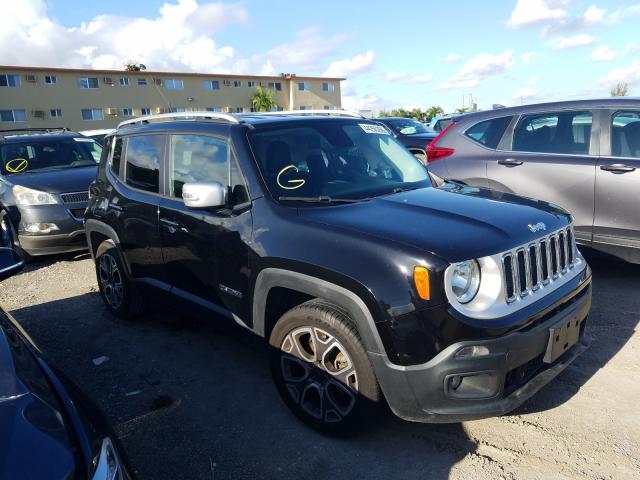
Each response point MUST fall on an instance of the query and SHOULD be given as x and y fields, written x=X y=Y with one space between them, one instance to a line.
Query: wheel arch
x=99 y=234
x=311 y=287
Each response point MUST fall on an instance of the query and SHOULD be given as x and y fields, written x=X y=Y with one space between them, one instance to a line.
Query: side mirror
x=204 y=195
x=10 y=263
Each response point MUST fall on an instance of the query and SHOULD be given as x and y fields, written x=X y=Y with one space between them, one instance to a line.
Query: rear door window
x=561 y=133
x=625 y=134
x=143 y=157
x=489 y=133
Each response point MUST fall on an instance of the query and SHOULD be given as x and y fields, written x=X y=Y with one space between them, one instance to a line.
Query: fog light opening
x=455 y=382
x=40 y=227
x=472 y=351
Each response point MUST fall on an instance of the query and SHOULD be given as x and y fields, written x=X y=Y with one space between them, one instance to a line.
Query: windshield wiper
x=320 y=199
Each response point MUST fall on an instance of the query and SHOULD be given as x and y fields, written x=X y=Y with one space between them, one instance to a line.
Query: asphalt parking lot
x=194 y=400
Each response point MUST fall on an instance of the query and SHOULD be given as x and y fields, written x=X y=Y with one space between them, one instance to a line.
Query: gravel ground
x=194 y=400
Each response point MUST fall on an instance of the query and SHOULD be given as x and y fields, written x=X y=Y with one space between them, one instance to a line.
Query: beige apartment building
x=92 y=99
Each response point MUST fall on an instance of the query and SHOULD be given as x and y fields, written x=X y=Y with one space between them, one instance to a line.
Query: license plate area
x=562 y=337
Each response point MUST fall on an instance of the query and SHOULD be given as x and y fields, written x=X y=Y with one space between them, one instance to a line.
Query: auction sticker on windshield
x=369 y=128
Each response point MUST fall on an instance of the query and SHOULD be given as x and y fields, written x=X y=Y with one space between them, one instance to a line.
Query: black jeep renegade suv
x=369 y=278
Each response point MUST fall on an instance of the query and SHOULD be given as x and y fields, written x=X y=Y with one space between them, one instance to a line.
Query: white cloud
x=178 y=38
x=594 y=15
x=531 y=12
x=307 y=50
x=580 y=40
x=533 y=80
x=528 y=57
x=629 y=75
x=526 y=93
x=453 y=58
x=603 y=54
x=404 y=77
x=356 y=65
x=632 y=48
x=479 y=68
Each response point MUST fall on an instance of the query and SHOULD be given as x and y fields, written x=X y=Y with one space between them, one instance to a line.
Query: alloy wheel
x=318 y=374
x=111 y=281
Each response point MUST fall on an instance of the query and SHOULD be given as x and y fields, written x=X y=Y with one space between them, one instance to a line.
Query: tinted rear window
x=489 y=133
x=557 y=132
x=143 y=162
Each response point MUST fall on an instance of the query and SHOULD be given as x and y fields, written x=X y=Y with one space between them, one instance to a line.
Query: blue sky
x=393 y=53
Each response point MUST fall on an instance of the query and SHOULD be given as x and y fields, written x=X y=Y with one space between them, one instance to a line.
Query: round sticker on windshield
x=16 y=165
x=291 y=184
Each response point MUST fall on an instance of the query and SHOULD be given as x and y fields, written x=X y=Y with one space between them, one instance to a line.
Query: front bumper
x=511 y=373
x=69 y=237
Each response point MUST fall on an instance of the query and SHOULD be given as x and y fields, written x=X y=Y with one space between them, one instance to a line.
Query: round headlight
x=465 y=280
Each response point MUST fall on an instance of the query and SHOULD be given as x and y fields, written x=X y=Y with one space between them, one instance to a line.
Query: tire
x=8 y=237
x=321 y=369
x=116 y=289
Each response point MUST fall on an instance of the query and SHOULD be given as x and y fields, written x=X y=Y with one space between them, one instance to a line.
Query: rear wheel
x=321 y=369
x=116 y=290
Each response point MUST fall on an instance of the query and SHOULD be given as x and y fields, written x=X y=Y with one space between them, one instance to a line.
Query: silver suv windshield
x=334 y=159
x=38 y=155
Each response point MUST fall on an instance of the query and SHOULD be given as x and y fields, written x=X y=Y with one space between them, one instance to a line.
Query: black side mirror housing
x=10 y=263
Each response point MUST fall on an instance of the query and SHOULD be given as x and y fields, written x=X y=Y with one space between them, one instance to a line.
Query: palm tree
x=434 y=112
x=262 y=100
x=620 y=90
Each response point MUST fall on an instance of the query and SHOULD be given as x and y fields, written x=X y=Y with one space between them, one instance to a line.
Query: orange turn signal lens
x=421 y=279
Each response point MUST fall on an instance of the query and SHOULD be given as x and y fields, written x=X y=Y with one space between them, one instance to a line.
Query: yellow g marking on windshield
x=16 y=165
x=298 y=183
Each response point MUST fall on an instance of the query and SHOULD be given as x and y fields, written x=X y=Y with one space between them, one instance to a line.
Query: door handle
x=510 y=162
x=617 y=167
x=173 y=226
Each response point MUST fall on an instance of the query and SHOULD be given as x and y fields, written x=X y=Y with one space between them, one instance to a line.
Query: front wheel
x=116 y=290
x=321 y=369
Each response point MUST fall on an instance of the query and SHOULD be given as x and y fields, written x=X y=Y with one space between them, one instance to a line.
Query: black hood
x=57 y=181
x=454 y=222
x=427 y=137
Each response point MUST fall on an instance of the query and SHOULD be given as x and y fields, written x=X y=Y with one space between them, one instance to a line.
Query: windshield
x=335 y=159
x=31 y=156
x=407 y=126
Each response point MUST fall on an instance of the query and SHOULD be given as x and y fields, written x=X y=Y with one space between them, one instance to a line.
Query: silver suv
x=582 y=155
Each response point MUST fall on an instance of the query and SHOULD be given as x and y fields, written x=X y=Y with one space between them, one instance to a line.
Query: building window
x=92 y=114
x=304 y=87
x=177 y=109
x=13 y=116
x=173 y=84
x=239 y=109
x=214 y=109
x=10 y=81
x=305 y=107
x=88 y=82
x=211 y=85
x=328 y=87
x=251 y=84
x=275 y=85
x=142 y=81
x=56 y=113
x=127 y=112
x=328 y=107
x=145 y=111
x=237 y=84
x=50 y=79
x=124 y=82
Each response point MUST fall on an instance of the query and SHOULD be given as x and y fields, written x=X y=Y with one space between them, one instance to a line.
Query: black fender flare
x=92 y=225
x=356 y=308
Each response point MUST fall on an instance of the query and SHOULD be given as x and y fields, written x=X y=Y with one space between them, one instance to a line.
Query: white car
x=97 y=135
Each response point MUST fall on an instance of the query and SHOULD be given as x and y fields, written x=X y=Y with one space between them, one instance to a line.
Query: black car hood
x=426 y=137
x=57 y=181
x=34 y=439
x=454 y=222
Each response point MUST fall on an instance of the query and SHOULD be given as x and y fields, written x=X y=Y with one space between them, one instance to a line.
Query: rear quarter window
x=489 y=132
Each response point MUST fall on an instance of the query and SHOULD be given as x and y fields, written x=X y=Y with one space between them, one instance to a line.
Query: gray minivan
x=582 y=155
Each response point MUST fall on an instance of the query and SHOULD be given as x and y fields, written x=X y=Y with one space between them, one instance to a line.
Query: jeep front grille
x=526 y=268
